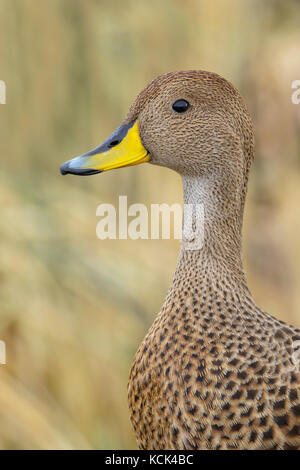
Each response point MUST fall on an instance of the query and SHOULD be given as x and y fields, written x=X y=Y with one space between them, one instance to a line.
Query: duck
x=214 y=371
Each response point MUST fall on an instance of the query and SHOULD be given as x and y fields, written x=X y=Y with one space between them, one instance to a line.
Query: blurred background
x=73 y=309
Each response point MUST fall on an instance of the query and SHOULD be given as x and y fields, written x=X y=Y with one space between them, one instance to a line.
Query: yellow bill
x=122 y=148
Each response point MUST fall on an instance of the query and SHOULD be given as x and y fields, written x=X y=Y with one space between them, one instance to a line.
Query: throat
x=212 y=224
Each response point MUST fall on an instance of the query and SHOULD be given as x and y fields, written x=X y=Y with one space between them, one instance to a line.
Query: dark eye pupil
x=180 y=106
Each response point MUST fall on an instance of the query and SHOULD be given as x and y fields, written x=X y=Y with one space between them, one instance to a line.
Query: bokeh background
x=73 y=308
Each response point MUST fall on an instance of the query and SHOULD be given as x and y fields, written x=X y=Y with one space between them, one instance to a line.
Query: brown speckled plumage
x=214 y=371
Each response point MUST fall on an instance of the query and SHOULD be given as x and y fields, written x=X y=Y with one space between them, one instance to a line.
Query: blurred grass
x=73 y=308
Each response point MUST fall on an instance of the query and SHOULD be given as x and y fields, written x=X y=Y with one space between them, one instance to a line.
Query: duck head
x=194 y=122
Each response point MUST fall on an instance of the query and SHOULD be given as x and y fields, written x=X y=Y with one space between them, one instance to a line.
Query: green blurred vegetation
x=73 y=308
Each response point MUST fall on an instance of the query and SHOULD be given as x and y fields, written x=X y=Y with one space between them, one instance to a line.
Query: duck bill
x=122 y=148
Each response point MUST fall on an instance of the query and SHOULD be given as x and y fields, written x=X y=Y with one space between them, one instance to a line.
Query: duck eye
x=180 y=106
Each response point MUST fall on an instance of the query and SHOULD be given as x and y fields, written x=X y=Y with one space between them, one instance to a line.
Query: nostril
x=113 y=143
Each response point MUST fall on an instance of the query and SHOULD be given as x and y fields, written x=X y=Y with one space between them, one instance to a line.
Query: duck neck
x=212 y=225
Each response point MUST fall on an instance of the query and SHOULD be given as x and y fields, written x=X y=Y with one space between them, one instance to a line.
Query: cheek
x=174 y=141
x=158 y=136
x=164 y=136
